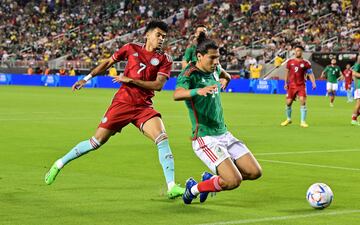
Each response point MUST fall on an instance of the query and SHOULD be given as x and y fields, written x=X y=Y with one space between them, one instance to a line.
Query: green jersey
x=190 y=54
x=356 y=68
x=206 y=113
x=332 y=73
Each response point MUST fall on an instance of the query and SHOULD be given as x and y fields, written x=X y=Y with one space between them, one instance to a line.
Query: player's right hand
x=78 y=85
x=286 y=86
x=207 y=90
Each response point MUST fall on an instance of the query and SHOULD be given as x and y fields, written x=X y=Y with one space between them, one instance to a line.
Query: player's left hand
x=121 y=79
x=224 y=83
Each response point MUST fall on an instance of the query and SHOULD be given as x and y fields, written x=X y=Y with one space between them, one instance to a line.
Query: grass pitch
x=122 y=182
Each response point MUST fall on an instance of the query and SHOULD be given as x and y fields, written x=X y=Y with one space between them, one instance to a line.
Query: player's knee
x=255 y=174
x=161 y=137
x=232 y=183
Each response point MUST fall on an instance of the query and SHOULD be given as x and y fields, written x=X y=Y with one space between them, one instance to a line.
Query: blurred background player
x=199 y=85
x=147 y=70
x=190 y=52
x=332 y=73
x=356 y=75
x=295 y=85
x=348 y=77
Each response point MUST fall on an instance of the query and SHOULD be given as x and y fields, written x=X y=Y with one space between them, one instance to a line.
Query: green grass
x=122 y=182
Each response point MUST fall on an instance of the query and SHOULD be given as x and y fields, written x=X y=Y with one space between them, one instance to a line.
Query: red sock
x=354 y=116
x=211 y=185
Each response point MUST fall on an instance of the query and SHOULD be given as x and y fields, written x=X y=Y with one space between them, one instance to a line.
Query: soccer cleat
x=355 y=123
x=286 y=122
x=175 y=192
x=303 y=124
x=188 y=196
x=51 y=174
x=331 y=104
x=204 y=195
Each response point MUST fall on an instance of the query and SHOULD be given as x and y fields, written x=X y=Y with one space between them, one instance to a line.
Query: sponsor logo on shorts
x=104 y=119
x=154 y=61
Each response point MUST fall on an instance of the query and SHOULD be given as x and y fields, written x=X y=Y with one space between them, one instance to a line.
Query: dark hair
x=200 y=25
x=157 y=24
x=204 y=44
x=299 y=46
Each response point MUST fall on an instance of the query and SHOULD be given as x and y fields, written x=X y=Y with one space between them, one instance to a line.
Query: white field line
x=307 y=152
x=279 y=218
x=310 y=165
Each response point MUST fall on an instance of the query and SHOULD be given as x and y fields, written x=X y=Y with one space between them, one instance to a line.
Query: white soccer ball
x=319 y=195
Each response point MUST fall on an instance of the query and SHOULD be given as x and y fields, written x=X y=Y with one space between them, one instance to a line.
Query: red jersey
x=141 y=65
x=348 y=76
x=298 y=68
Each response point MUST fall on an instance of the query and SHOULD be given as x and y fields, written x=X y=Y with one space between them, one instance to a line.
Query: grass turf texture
x=122 y=182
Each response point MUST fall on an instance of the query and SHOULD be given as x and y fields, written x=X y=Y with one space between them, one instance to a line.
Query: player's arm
x=355 y=74
x=155 y=85
x=323 y=73
x=286 y=78
x=312 y=77
x=341 y=77
x=100 y=69
x=225 y=78
x=186 y=94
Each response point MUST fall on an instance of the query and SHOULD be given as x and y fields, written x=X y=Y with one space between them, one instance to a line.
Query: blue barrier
x=236 y=85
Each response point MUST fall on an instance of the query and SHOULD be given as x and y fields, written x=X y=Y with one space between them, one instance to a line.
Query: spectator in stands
x=62 y=71
x=30 y=70
x=47 y=70
x=72 y=71
x=255 y=71
x=112 y=71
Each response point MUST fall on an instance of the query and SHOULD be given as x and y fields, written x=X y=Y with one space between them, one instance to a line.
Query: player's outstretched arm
x=355 y=74
x=106 y=64
x=155 y=85
x=185 y=94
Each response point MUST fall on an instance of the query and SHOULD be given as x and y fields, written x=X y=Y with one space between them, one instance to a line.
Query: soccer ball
x=319 y=195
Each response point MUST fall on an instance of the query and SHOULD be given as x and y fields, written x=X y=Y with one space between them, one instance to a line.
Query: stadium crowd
x=45 y=30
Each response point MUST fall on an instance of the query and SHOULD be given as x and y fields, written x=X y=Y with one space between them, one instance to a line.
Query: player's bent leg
x=229 y=175
x=155 y=130
x=249 y=167
x=82 y=148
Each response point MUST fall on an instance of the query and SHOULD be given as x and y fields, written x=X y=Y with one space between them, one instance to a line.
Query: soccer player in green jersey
x=190 y=52
x=332 y=73
x=356 y=75
x=199 y=85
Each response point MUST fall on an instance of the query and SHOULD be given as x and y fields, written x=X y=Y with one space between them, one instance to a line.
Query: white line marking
x=277 y=218
x=306 y=152
x=308 y=164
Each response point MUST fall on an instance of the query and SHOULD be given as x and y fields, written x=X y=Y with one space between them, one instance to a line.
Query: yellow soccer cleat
x=304 y=124
x=286 y=122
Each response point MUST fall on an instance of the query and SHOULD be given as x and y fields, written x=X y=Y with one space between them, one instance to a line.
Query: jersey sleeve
x=183 y=82
x=121 y=54
x=356 y=67
x=187 y=55
x=166 y=65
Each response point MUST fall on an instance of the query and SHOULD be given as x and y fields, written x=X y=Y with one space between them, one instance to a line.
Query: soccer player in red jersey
x=348 y=77
x=147 y=70
x=295 y=84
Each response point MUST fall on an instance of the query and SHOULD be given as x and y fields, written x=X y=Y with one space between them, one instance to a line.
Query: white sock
x=171 y=185
x=59 y=164
x=194 y=190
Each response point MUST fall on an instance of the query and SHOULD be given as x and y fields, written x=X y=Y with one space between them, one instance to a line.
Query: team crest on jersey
x=136 y=54
x=302 y=65
x=154 y=61
x=104 y=119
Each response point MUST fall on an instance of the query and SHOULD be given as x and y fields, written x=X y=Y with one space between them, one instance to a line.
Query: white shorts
x=331 y=86
x=357 y=94
x=213 y=150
